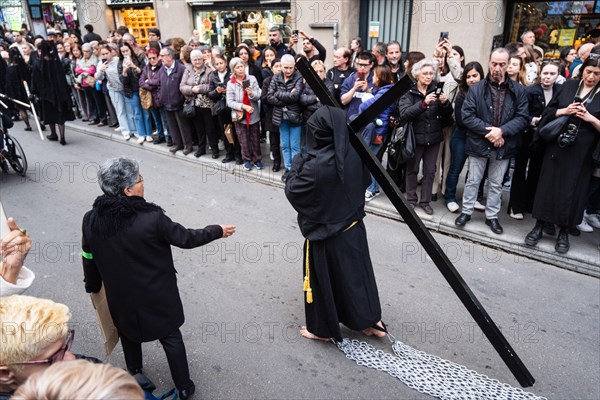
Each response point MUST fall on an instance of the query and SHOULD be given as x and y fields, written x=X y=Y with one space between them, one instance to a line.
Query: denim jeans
x=290 y=142
x=457 y=162
x=141 y=117
x=160 y=120
x=118 y=100
x=374 y=186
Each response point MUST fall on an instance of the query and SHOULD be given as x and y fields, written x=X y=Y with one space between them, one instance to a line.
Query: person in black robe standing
x=16 y=73
x=50 y=84
x=562 y=191
x=327 y=187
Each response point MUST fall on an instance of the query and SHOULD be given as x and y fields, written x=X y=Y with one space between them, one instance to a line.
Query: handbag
x=290 y=116
x=189 y=109
x=551 y=131
x=145 y=98
x=229 y=133
x=402 y=145
x=237 y=115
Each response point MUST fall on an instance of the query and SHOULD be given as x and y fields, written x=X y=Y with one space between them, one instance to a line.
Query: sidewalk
x=583 y=256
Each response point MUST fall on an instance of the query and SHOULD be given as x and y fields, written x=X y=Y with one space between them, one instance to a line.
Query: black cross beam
x=415 y=224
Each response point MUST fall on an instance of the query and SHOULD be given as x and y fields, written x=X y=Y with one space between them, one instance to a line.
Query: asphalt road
x=243 y=296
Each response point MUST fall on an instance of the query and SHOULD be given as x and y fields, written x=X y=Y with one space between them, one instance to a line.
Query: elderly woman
x=108 y=69
x=566 y=171
x=157 y=111
x=126 y=247
x=284 y=95
x=426 y=110
x=84 y=75
x=195 y=85
x=207 y=55
x=242 y=97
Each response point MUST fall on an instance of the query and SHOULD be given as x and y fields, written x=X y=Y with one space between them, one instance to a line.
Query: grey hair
x=235 y=61
x=287 y=58
x=86 y=47
x=195 y=53
x=117 y=174
x=129 y=35
x=219 y=50
x=169 y=51
x=426 y=62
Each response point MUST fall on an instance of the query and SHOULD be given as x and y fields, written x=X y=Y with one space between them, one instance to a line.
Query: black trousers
x=176 y=357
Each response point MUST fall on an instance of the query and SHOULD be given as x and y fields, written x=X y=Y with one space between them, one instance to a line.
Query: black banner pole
x=444 y=265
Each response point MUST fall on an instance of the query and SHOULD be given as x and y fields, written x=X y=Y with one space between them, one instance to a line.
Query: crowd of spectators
x=201 y=99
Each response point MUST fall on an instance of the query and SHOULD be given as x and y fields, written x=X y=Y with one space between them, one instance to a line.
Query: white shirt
x=24 y=281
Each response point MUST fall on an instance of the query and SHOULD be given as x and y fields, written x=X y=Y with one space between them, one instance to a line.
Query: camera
x=568 y=136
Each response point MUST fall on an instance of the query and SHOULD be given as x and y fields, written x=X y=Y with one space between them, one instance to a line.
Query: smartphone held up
x=443 y=36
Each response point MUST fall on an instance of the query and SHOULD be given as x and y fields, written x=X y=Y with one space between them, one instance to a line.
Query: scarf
x=112 y=214
x=245 y=100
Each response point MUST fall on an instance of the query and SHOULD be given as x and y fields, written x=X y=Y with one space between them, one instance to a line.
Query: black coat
x=562 y=190
x=282 y=94
x=127 y=245
x=310 y=102
x=427 y=121
x=268 y=120
x=477 y=114
x=219 y=100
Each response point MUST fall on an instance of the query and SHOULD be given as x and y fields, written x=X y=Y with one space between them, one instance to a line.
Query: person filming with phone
x=359 y=83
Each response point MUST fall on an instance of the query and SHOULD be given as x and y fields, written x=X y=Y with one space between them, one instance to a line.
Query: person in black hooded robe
x=50 y=84
x=327 y=187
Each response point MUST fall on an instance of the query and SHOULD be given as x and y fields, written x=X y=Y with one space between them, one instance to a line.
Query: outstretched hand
x=14 y=247
x=228 y=230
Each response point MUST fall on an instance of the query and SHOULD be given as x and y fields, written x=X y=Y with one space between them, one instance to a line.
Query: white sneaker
x=141 y=140
x=221 y=145
x=584 y=227
x=517 y=216
x=117 y=129
x=593 y=220
x=370 y=196
x=452 y=207
x=127 y=136
x=479 y=206
x=149 y=139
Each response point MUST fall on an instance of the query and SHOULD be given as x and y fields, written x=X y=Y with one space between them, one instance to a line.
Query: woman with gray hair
x=427 y=109
x=84 y=75
x=243 y=94
x=126 y=247
x=195 y=86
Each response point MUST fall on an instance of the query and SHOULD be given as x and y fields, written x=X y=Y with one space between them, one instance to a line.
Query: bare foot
x=305 y=333
x=373 y=331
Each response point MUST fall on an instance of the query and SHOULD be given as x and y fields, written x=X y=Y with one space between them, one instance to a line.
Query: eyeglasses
x=58 y=356
x=363 y=65
x=594 y=56
x=140 y=180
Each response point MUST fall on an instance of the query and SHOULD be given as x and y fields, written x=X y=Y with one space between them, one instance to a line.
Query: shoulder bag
x=551 y=131
x=189 y=109
x=237 y=115
x=290 y=116
x=402 y=145
x=145 y=98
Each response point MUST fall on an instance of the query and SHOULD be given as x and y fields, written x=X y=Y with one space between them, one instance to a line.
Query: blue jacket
x=385 y=115
x=352 y=107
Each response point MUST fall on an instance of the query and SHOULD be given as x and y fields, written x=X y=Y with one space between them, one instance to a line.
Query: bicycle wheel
x=16 y=158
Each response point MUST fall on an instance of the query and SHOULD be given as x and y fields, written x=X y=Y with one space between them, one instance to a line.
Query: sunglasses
x=58 y=356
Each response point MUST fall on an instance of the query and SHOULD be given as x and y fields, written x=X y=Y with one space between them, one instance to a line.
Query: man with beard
x=393 y=57
x=492 y=134
x=276 y=40
x=326 y=187
x=309 y=44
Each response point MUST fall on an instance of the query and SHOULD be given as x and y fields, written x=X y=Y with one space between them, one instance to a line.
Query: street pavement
x=243 y=295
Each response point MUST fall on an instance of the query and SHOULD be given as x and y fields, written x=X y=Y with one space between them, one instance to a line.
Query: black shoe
x=62 y=141
x=276 y=167
x=28 y=129
x=159 y=140
x=495 y=225
x=462 y=219
x=285 y=175
x=434 y=197
x=215 y=156
x=199 y=153
x=43 y=127
x=427 y=208
x=169 y=141
x=562 y=242
x=549 y=228
x=228 y=159
x=238 y=161
x=142 y=380
x=535 y=235
x=114 y=125
x=186 y=393
x=52 y=138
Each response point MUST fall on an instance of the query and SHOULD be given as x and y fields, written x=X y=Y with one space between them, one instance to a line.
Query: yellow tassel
x=306 y=283
x=307 y=288
x=309 y=298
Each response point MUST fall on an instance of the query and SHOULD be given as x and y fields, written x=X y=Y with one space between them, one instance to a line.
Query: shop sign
x=126 y=2
x=373 y=29
x=566 y=37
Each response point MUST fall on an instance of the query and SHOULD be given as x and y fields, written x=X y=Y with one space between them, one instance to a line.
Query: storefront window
x=556 y=24
x=138 y=21
x=11 y=13
x=62 y=13
x=229 y=28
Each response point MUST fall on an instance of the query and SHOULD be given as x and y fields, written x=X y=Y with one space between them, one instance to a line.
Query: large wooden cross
x=415 y=224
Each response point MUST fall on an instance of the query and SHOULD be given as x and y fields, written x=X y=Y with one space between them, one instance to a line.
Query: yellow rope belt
x=307 y=288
